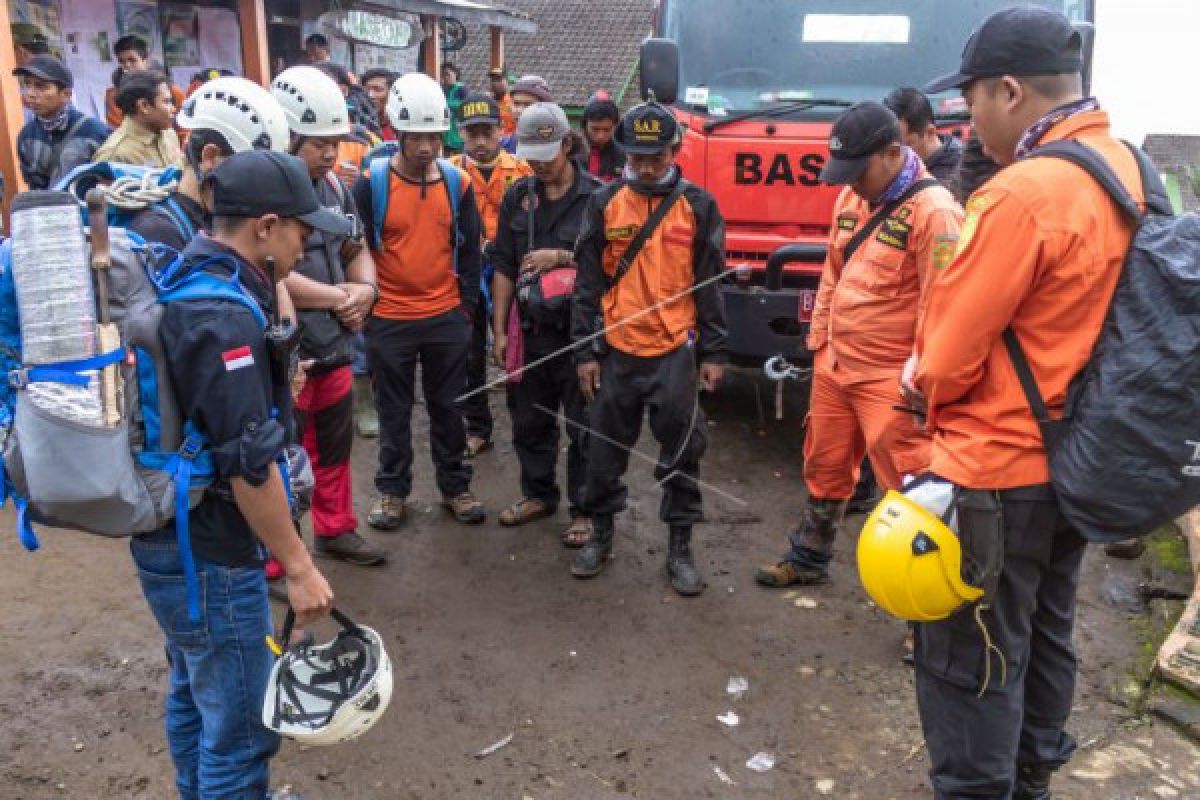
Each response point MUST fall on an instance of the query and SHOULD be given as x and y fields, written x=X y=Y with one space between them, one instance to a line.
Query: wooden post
x=256 y=61
x=12 y=114
x=431 y=54
x=497 y=59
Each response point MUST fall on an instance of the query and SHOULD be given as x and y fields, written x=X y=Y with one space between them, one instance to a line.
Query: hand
x=711 y=375
x=541 y=261
x=352 y=312
x=349 y=172
x=589 y=379
x=908 y=389
x=499 y=347
x=301 y=377
x=308 y=594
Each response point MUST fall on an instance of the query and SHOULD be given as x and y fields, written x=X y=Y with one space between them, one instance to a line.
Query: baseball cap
x=861 y=131
x=533 y=85
x=1024 y=40
x=540 y=132
x=478 y=109
x=47 y=68
x=646 y=129
x=258 y=182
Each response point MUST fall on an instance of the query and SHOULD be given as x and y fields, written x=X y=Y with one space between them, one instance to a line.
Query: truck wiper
x=792 y=106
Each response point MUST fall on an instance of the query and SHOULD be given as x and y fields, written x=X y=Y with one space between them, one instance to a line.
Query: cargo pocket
x=952 y=650
x=77 y=476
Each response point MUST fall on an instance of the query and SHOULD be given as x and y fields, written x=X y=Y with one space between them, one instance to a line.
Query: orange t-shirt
x=1041 y=249
x=415 y=265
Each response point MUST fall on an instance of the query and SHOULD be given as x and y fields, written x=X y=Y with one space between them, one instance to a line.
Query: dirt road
x=610 y=688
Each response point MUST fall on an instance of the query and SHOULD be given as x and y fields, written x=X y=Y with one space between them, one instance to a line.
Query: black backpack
x=1125 y=458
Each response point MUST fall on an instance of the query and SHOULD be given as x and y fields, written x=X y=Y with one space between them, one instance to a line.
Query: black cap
x=47 y=68
x=646 y=129
x=259 y=182
x=861 y=131
x=1025 y=40
x=478 y=109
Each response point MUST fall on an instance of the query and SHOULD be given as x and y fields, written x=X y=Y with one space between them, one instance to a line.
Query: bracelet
x=374 y=291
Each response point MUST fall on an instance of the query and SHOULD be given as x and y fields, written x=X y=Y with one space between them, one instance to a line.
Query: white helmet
x=332 y=693
x=240 y=110
x=312 y=102
x=417 y=104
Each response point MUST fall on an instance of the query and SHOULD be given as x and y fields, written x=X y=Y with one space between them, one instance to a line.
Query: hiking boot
x=807 y=563
x=465 y=508
x=593 y=557
x=351 y=548
x=388 y=512
x=1033 y=783
x=866 y=493
x=366 y=416
x=685 y=579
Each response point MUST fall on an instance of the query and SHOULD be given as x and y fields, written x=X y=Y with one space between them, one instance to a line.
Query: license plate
x=808 y=299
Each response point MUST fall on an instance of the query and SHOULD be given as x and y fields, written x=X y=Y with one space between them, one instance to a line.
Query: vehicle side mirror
x=1087 y=32
x=660 y=70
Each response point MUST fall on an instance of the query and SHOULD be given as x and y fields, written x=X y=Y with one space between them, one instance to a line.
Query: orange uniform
x=507 y=169
x=508 y=115
x=863 y=331
x=415 y=260
x=1038 y=258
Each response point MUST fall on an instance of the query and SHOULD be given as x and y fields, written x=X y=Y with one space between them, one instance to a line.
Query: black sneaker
x=351 y=548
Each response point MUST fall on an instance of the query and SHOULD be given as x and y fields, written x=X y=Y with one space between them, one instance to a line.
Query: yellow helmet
x=910 y=562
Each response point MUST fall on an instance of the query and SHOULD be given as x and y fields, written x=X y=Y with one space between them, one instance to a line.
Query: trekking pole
x=107 y=333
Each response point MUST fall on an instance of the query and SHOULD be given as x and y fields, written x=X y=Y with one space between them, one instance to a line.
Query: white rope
x=134 y=194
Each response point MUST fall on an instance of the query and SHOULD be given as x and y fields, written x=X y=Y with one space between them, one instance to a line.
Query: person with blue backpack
x=424 y=230
x=1040 y=277
x=226 y=375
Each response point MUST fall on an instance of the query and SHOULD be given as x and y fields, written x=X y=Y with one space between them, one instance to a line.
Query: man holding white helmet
x=334 y=289
x=424 y=230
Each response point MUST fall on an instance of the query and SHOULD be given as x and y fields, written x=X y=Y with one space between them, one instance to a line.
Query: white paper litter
x=761 y=762
x=720 y=773
x=825 y=786
x=737 y=686
x=492 y=748
x=728 y=719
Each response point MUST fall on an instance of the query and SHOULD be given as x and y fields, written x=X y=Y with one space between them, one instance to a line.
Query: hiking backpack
x=1125 y=457
x=129 y=189
x=92 y=436
x=379 y=166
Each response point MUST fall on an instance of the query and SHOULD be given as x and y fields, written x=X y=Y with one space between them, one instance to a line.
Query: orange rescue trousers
x=850 y=416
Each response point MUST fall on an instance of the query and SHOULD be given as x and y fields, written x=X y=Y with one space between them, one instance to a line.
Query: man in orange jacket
x=492 y=170
x=894 y=228
x=1041 y=251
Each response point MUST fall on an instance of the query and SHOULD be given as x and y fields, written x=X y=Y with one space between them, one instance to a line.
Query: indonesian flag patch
x=238 y=358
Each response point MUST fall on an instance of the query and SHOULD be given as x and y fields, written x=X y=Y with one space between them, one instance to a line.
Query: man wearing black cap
x=59 y=137
x=264 y=207
x=647 y=326
x=1040 y=254
x=893 y=228
x=492 y=170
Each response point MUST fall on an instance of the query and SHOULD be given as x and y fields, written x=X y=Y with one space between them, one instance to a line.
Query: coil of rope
x=129 y=193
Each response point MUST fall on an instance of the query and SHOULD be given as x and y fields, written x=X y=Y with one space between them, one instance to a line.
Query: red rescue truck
x=756 y=85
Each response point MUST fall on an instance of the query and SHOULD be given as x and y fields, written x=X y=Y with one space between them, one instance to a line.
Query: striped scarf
x=56 y=122
x=906 y=178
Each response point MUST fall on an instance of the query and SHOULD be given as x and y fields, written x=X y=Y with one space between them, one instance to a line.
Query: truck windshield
x=740 y=55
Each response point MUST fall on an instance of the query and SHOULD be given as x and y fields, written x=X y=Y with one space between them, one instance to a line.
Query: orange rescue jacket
x=1041 y=250
x=507 y=169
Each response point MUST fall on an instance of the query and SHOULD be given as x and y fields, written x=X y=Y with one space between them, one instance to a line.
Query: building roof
x=580 y=46
x=1178 y=155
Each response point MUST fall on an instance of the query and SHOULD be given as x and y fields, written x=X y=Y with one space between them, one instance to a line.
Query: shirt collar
x=139 y=132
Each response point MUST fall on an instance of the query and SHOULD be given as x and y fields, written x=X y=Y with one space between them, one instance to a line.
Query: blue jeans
x=218 y=672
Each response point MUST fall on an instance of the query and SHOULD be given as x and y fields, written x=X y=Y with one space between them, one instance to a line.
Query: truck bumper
x=769 y=320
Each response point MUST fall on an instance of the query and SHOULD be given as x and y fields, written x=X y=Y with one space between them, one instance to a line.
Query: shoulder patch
x=945 y=246
x=847 y=222
x=903 y=213
x=894 y=233
x=977 y=205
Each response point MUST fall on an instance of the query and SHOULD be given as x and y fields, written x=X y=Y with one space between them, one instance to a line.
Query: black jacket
x=943 y=163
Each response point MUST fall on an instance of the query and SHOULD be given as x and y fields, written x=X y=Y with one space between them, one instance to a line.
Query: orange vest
x=489 y=194
x=1041 y=250
x=867 y=309
x=664 y=269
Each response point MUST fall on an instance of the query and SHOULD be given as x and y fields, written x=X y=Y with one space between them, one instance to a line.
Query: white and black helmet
x=312 y=102
x=417 y=104
x=240 y=110
x=331 y=693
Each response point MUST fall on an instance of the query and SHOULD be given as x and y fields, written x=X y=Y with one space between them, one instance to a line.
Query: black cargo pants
x=977 y=744
x=629 y=386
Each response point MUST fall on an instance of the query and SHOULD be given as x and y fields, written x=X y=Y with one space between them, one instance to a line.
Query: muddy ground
x=610 y=688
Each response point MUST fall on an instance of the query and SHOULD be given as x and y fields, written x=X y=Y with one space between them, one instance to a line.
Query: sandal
x=525 y=510
x=578 y=534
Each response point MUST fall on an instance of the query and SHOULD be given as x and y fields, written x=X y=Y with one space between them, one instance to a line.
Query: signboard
x=364 y=27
